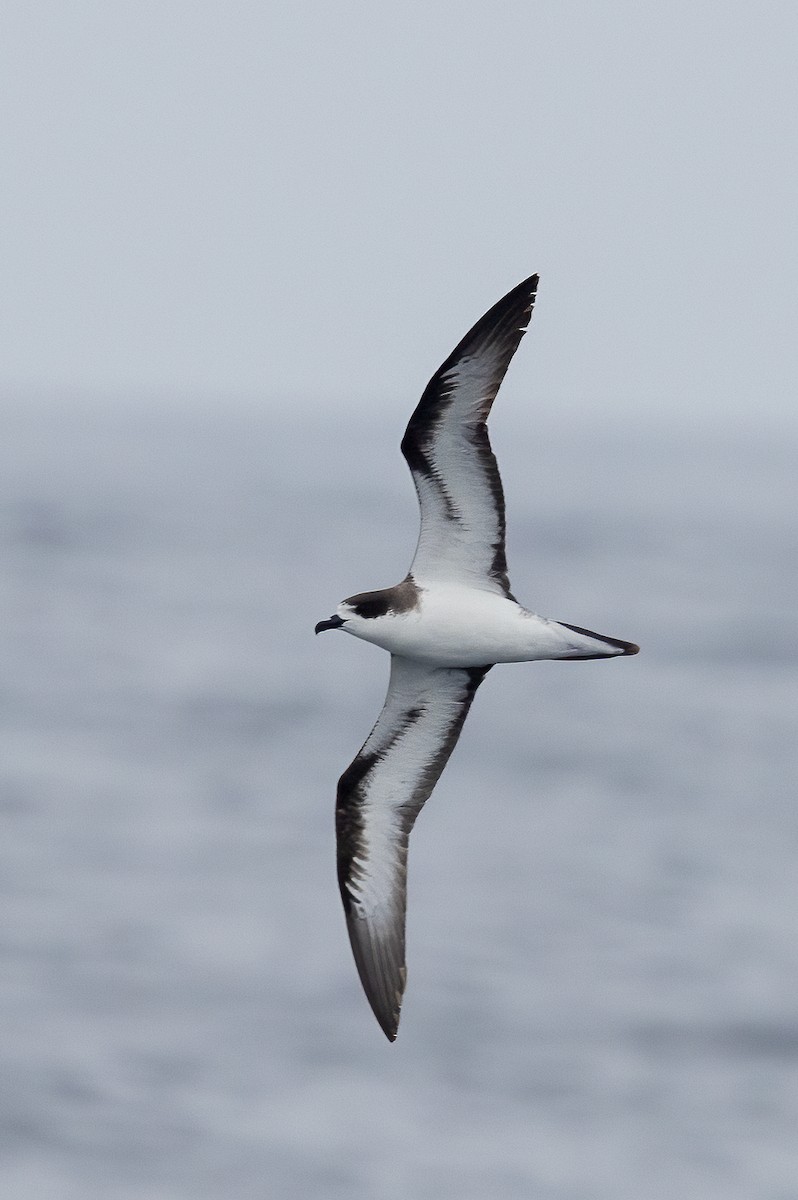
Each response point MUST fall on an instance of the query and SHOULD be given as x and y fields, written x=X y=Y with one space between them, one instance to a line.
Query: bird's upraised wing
x=447 y=447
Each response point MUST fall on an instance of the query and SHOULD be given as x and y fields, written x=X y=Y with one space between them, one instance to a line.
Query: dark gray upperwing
x=447 y=447
x=379 y=797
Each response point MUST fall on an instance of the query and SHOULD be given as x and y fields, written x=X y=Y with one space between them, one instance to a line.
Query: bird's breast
x=454 y=627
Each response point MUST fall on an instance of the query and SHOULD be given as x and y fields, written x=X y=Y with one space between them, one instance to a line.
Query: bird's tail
x=581 y=643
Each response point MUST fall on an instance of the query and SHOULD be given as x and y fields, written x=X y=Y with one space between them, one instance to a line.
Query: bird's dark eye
x=371 y=608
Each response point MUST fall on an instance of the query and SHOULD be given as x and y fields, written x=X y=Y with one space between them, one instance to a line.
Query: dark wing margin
x=379 y=797
x=448 y=450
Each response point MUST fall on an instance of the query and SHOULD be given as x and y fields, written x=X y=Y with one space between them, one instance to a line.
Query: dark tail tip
x=619 y=648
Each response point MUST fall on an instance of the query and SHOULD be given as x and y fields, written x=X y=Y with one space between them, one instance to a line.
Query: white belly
x=459 y=627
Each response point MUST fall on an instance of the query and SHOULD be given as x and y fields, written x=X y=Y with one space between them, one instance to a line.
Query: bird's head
x=357 y=613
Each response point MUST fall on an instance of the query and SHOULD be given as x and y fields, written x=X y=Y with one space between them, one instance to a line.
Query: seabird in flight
x=445 y=625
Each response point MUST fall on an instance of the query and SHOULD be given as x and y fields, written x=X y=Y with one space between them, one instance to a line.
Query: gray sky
x=310 y=203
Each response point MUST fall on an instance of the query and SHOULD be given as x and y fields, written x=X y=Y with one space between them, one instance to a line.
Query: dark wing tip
x=508 y=318
x=500 y=330
x=511 y=313
x=381 y=967
x=528 y=286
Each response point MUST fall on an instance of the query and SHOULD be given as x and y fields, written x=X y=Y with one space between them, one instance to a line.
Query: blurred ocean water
x=603 y=943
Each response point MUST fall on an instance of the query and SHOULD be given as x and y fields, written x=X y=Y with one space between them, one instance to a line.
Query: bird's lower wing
x=379 y=797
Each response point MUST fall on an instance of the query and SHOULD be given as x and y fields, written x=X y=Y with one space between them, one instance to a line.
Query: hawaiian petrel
x=445 y=625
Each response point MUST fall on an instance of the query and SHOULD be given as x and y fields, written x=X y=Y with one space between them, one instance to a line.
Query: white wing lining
x=379 y=797
x=446 y=444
